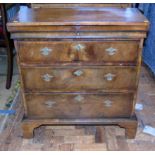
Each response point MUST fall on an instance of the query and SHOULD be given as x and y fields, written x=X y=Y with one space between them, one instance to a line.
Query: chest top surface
x=79 y=16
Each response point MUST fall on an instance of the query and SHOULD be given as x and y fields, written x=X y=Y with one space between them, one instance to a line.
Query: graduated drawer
x=67 y=79
x=50 y=52
x=69 y=105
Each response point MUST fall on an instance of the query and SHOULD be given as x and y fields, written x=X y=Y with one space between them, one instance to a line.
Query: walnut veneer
x=79 y=65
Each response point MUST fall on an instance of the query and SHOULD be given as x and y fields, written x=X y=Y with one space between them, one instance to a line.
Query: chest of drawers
x=79 y=65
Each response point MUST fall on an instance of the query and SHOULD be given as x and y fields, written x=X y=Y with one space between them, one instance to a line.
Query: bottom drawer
x=74 y=105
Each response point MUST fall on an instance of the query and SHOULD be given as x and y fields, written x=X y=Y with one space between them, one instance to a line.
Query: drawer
x=69 y=105
x=49 y=52
x=67 y=79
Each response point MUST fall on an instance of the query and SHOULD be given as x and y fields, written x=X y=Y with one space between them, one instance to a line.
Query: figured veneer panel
x=68 y=79
x=46 y=52
x=75 y=105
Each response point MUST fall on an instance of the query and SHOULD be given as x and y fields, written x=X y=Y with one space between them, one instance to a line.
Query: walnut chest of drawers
x=79 y=65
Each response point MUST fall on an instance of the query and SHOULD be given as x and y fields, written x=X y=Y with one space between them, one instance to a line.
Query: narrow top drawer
x=49 y=52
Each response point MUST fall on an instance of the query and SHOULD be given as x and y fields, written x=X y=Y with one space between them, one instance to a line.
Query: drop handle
x=79 y=47
x=50 y=104
x=111 y=51
x=108 y=103
x=47 y=77
x=79 y=98
x=78 y=72
x=109 y=76
x=46 y=51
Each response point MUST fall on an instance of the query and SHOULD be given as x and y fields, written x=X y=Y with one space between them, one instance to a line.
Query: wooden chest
x=79 y=65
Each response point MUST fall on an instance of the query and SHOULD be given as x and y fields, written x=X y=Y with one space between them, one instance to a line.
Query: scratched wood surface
x=89 y=137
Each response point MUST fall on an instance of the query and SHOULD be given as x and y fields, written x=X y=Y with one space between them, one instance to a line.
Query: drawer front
x=79 y=105
x=48 y=79
x=45 y=52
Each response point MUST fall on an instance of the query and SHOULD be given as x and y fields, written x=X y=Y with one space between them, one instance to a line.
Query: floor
x=6 y=95
x=88 y=137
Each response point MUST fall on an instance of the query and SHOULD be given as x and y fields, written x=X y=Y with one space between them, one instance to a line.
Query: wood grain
x=129 y=124
x=79 y=16
x=44 y=139
x=31 y=52
x=65 y=5
x=65 y=72
x=90 y=79
x=77 y=28
x=78 y=105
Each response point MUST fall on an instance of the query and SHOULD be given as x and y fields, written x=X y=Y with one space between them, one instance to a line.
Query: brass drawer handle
x=108 y=103
x=45 y=51
x=78 y=73
x=50 y=104
x=111 y=51
x=109 y=76
x=47 y=77
x=79 y=98
x=79 y=47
